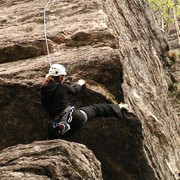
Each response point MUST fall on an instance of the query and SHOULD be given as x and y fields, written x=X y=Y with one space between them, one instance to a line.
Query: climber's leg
x=102 y=110
x=79 y=117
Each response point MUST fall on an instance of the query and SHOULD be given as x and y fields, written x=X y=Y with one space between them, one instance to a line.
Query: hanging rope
x=45 y=34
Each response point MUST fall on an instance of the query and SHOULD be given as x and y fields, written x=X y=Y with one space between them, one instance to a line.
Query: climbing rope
x=45 y=33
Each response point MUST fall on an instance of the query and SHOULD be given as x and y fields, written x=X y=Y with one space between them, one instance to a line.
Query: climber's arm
x=76 y=88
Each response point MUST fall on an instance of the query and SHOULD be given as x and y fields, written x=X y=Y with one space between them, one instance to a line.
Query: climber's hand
x=47 y=76
x=47 y=79
x=81 y=82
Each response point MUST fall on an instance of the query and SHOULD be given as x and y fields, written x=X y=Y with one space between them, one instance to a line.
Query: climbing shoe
x=123 y=106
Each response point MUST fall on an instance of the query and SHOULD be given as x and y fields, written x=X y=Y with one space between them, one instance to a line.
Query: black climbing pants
x=102 y=110
x=79 y=118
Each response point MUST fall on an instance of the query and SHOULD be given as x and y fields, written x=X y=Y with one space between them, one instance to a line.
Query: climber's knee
x=85 y=116
x=79 y=117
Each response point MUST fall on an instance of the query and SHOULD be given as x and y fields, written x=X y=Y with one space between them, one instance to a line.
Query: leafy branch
x=169 y=11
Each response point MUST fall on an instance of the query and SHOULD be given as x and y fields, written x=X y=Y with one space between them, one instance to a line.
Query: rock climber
x=65 y=118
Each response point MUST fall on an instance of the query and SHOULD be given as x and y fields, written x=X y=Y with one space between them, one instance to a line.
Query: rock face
x=49 y=160
x=145 y=85
x=117 y=48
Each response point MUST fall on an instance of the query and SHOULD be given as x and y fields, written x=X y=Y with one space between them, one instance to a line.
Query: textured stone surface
x=116 y=47
x=145 y=84
x=55 y=159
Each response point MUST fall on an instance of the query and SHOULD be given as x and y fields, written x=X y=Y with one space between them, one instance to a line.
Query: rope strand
x=45 y=33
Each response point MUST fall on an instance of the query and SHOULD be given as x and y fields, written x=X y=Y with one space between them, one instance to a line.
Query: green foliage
x=178 y=8
x=166 y=8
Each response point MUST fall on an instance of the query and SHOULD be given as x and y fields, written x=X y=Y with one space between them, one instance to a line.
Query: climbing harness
x=45 y=33
x=62 y=124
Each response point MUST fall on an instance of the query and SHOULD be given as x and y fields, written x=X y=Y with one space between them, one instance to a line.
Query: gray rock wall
x=55 y=159
x=141 y=49
x=117 y=48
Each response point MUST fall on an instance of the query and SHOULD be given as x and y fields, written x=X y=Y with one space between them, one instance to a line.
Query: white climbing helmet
x=57 y=70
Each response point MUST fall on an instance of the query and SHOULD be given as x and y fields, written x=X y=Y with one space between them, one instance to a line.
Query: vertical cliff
x=141 y=49
x=118 y=49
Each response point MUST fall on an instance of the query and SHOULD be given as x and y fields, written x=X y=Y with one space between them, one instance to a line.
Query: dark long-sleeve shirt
x=54 y=97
